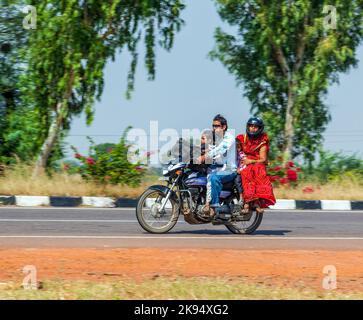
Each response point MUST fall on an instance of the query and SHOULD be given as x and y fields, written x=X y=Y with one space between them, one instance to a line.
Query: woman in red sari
x=257 y=187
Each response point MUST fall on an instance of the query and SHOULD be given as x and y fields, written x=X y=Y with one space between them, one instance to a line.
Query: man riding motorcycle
x=224 y=154
x=200 y=193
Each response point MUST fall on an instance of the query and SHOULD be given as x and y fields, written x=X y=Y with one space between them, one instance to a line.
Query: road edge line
x=121 y=202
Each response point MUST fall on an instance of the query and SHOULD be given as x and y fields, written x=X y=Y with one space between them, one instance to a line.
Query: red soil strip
x=285 y=268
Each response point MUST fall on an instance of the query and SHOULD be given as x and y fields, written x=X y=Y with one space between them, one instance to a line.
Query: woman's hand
x=247 y=161
x=262 y=157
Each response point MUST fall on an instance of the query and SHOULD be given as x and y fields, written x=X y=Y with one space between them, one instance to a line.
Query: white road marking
x=183 y=237
x=268 y=211
x=76 y=220
x=65 y=220
x=63 y=208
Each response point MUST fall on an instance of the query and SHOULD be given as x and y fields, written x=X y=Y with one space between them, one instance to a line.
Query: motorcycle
x=159 y=207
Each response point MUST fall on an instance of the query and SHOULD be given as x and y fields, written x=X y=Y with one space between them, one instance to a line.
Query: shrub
x=329 y=167
x=67 y=166
x=108 y=163
x=283 y=174
x=333 y=166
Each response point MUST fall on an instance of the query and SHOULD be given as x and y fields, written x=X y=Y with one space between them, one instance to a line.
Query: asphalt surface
x=118 y=228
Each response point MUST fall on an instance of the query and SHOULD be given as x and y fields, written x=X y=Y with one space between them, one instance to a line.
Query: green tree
x=285 y=55
x=12 y=39
x=68 y=51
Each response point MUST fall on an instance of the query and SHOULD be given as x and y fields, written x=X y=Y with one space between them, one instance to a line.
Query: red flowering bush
x=291 y=175
x=68 y=166
x=108 y=163
x=283 y=180
x=90 y=161
x=308 y=190
x=283 y=175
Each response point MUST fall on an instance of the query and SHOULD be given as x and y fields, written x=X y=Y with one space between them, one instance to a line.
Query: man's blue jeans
x=215 y=183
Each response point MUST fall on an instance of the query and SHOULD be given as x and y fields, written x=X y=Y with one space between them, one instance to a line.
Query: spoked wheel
x=149 y=215
x=246 y=224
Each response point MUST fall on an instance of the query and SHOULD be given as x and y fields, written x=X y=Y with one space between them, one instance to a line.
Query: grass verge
x=19 y=182
x=165 y=288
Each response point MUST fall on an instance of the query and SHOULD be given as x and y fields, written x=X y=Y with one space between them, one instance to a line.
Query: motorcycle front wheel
x=149 y=215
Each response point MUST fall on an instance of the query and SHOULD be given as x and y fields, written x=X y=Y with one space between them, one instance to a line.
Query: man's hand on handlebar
x=200 y=160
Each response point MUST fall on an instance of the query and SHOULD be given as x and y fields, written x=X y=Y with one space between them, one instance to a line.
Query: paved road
x=84 y=227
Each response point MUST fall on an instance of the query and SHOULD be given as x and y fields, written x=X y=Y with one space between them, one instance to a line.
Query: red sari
x=255 y=182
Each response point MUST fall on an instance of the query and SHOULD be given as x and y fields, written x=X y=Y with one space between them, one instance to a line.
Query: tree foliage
x=12 y=39
x=285 y=57
x=68 y=51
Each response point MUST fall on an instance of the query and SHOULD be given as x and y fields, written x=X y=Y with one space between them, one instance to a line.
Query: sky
x=190 y=89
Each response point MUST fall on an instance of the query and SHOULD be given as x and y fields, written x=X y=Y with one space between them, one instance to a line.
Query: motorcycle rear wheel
x=246 y=227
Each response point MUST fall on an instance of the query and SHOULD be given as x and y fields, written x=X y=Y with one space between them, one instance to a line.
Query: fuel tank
x=197 y=180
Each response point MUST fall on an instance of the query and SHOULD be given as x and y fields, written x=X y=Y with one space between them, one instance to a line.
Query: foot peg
x=223 y=214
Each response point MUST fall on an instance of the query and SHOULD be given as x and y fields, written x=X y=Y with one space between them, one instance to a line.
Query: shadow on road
x=226 y=232
x=204 y=231
x=271 y=232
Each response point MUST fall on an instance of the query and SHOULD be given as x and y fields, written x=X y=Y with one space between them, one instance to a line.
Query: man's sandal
x=208 y=212
x=206 y=208
x=212 y=213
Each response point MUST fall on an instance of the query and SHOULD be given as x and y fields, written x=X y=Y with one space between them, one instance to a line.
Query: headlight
x=165 y=172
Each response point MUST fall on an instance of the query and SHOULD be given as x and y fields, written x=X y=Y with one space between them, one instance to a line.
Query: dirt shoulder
x=282 y=268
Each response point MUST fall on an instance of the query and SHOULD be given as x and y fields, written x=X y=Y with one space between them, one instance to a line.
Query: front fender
x=165 y=190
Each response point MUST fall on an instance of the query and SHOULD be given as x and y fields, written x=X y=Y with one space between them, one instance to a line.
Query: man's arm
x=225 y=145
